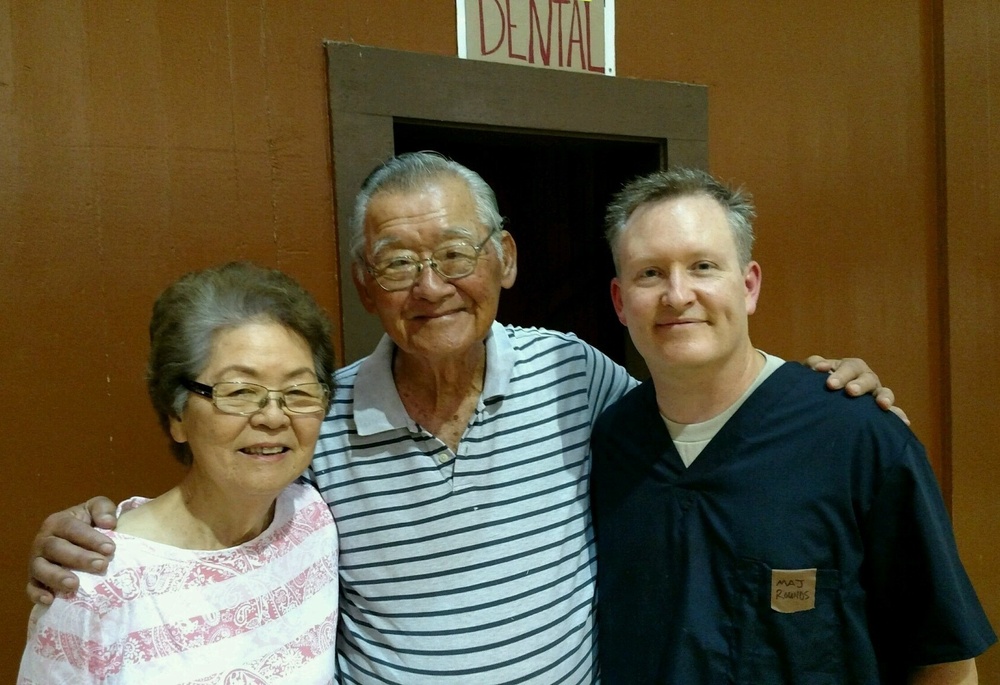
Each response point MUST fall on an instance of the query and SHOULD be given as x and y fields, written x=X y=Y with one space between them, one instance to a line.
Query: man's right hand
x=66 y=542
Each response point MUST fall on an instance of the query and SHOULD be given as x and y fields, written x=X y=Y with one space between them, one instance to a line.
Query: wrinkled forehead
x=438 y=210
x=429 y=240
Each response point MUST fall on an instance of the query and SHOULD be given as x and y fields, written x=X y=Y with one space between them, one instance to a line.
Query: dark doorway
x=552 y=189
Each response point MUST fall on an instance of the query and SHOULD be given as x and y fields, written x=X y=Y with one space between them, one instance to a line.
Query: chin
x=444 y=342
x=692 y=358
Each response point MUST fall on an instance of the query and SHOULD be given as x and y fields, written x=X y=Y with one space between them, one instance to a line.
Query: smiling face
x=256 y=455
x=434 y=318
x=680 y=288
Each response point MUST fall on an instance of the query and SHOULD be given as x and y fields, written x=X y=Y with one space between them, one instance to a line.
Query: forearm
x=951 y=673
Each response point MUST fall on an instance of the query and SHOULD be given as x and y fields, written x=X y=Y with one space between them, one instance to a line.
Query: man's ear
x=357 y=275
x=508 y=273
x=616 y=300
x=752 y=278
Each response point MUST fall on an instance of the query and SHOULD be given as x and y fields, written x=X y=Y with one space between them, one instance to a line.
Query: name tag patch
x=793 y=590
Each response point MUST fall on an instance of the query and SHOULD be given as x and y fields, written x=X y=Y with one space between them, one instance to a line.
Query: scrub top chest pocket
x=787 y=625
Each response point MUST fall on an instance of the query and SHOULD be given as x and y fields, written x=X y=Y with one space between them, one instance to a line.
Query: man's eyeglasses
x=245 y=399
x=398 y=270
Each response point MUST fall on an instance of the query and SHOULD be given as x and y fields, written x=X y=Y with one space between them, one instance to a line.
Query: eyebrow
x=448 y=233
x=239 y=368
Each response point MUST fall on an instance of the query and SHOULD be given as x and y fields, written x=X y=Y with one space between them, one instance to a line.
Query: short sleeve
x=64 y=645
x=924 y=609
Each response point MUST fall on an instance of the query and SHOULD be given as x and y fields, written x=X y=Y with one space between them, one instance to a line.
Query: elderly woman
x=230 y=576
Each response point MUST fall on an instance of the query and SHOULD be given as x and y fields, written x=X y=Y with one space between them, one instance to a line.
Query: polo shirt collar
x=377 y=406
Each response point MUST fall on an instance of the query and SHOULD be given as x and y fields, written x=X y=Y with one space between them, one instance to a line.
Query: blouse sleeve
x=65 y=645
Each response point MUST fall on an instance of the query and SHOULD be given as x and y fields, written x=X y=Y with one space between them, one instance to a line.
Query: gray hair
x=188 y=314
x=680 y=182
x=411 y=172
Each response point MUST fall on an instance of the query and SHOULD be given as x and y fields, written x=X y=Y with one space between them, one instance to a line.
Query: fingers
x=48 y=580
x=886 y=399
x=47 y=574
x=854 y=375
x=51 y=567
x=863 y=384
x=38 y=594
x=856 y=378
x=71 y=526
x=66 y=542
x=59 y=552
x=102 y=512
x=818 y=363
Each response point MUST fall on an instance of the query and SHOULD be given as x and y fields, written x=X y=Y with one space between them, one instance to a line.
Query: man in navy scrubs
x=751 y=526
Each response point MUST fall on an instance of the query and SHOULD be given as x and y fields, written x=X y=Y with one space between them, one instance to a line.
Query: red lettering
x=576 y=36
x=560 y=24
x=482 y=29
x=510 y=35
x=590 y=44
x=574 y=43
x=544 y=46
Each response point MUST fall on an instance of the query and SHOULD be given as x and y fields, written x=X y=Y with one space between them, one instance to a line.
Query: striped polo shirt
x=475 y=567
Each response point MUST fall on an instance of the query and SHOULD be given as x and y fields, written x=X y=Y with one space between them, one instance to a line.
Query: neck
x=194 y=516
x=441 y=395
x=440 y=380
x=695 y=394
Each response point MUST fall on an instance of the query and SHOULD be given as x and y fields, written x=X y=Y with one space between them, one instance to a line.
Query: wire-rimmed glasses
x=398 y=270
x=244 y=399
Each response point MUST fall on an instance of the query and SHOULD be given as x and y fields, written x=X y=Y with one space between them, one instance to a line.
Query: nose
x=428 y=283
x=272 y=414
x=678 y=293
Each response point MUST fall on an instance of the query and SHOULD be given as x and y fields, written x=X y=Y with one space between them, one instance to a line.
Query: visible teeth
x=264 y=450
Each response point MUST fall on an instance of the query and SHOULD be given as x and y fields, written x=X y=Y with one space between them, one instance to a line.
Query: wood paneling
x=971 y=60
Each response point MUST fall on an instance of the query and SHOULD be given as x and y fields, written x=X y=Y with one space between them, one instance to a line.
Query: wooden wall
x=140 y=140
x=970 y=72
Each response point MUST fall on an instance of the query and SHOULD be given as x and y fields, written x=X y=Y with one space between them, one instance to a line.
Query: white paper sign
x=572 y=35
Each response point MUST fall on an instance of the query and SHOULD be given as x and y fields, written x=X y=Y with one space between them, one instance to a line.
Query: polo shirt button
x=443 y=457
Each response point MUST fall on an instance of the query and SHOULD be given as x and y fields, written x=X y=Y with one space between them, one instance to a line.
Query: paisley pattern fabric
x=264 y=612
